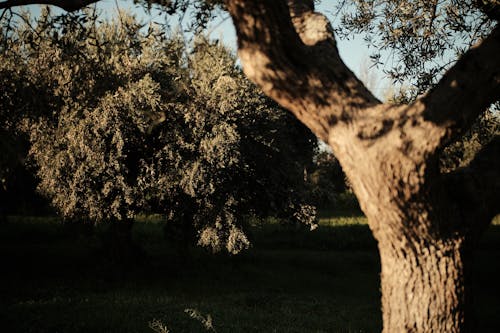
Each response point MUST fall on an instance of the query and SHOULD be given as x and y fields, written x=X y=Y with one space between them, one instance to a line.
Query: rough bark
x=420 y=248
x=423 y=287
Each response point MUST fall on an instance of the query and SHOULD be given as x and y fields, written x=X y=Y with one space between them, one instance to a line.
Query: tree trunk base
x=423 y=288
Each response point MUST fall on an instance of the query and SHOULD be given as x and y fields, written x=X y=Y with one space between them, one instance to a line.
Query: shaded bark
x=475 y=189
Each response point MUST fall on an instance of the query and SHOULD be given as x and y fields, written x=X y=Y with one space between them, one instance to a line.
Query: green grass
x=53 y=280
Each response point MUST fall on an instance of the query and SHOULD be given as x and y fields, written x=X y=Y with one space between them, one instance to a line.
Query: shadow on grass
x=323 y=281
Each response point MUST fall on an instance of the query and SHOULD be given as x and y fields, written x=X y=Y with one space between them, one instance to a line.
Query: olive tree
x=425 y=222
x=87 y=101
x=209 y=165
x=133 y=121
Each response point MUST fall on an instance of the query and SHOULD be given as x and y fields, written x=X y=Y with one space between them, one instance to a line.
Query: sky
x=354 y=52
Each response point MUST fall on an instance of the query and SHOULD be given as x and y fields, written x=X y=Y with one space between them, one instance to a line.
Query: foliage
x=123 y=118
x=200 y=12
x=16 y=183
x=84 y=117
x=205 y=321
x=158 y=327
x=326 y=180
x=242 y=154
x=461 y=152
x=422 y=38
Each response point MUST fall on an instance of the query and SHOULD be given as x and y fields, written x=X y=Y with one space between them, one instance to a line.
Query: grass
x=53 y=280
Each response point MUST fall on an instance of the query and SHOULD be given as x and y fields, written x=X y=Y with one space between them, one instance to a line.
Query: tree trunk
x=423 y=287
x=119 y=246
x=388 y=152
x=421 y=234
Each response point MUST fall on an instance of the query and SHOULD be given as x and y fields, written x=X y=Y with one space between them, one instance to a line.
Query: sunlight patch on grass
x=343 y=221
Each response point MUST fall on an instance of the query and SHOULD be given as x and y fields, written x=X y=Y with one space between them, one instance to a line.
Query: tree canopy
x=422 y=38
x=124 y=119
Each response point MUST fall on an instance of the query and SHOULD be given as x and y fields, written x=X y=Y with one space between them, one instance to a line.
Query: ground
x=55 y=280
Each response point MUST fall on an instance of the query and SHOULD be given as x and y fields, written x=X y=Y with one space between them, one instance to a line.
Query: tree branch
x=67 y=5
x=290 y=52
x=467 y=89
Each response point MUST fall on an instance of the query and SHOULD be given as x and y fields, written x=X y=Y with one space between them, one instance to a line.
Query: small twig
x=3 y=13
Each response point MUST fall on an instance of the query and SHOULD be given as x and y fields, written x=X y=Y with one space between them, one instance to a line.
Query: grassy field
x=53 y=280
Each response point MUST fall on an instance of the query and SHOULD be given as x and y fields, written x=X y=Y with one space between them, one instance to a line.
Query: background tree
x=132 y=121
x=89 y=107
x=326 y=180
x=213 y=170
